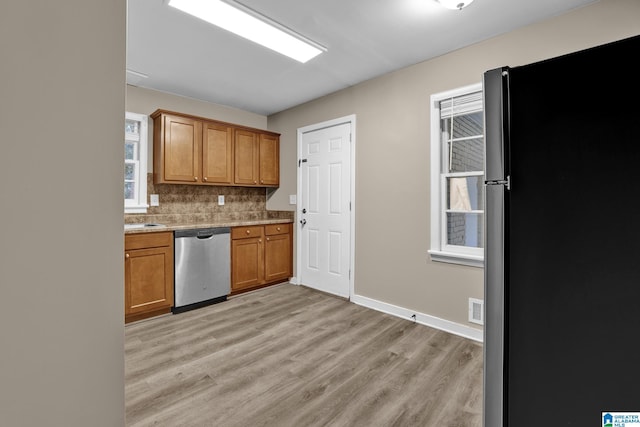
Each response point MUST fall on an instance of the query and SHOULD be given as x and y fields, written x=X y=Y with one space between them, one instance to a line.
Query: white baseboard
x=423 y=319
x=294 y=281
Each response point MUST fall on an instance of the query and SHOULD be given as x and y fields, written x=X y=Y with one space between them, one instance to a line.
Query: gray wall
x=392 y=154
x=62 y=95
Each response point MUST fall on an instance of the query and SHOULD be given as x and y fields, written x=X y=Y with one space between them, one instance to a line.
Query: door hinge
x=505 y=182
x=301 y=161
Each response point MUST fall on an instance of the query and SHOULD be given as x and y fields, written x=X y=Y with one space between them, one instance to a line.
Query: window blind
x=459 y=105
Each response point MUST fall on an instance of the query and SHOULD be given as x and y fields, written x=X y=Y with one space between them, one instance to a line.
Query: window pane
x=464 y=126
x=467 y=125
x=130 y=151
x=132 y=126
x=129 y=172
x=465 y=229
x=465 y=193
x=130 y=190
x=466 y=155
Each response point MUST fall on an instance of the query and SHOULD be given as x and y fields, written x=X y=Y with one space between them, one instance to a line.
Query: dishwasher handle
x=202 y=233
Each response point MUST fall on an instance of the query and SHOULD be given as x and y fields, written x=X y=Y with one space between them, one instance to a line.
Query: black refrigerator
x=562 y=252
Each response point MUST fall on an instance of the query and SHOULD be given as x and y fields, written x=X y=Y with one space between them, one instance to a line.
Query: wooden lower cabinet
x=260 y=256
x=148 y=275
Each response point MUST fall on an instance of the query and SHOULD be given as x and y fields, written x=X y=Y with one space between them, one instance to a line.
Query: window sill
x=135 y=209
x=454 y=258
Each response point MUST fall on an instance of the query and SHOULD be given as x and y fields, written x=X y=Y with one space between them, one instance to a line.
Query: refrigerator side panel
x=495 y=92
x=494 y=363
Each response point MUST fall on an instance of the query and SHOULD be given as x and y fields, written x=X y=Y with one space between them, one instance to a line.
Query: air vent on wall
x=476 y=311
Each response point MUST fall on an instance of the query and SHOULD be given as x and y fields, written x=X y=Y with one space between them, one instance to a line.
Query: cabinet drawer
x=273 y=229
x=147 y=240
x=246 y=232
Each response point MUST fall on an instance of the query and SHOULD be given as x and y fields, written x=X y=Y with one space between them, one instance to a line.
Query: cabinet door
x=247 y=264
x=217 y=154
x=269 y=154
x=148 y=279
x=182 y=144
x=277 y=257
x=246 y=157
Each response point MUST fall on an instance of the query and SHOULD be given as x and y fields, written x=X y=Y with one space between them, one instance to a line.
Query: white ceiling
x=364 y=39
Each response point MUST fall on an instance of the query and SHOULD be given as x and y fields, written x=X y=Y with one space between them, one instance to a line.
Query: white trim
x=423 y=319
x=136 y=209
x=456 y=258
x=139 y=205
x=351 y=119
x=438 y=249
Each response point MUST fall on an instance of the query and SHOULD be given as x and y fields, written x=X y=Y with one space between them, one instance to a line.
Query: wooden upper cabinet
x=269 y=148
x=178 y=149
x=246 y=157
x=194 y=150
x=217 y=153
x=257 y=158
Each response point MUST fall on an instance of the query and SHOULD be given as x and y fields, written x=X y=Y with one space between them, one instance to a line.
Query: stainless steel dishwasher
x=202 y=267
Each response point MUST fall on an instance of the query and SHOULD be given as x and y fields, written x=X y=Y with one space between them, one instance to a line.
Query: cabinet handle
x=195 y=178
x=248 y=231
x=255 y=182
x=278 y=228
x=126 y=256
x=268 y=239
x=262 y=181
x=204 y=179
x=260 y=241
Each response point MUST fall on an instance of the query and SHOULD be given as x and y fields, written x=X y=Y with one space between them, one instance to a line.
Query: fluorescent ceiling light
x=249 y=24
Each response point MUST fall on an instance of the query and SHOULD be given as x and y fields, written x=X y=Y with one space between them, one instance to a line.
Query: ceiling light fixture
x=455 y=4
x=247 y=23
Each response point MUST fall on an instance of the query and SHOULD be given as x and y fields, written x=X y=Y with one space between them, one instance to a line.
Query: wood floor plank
x=291 y=356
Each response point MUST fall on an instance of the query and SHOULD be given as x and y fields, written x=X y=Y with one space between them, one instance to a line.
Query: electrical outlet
x=292 y=199
x=154 y=200
x=220 y=200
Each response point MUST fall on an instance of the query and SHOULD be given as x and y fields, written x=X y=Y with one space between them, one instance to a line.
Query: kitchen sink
x=143 y=225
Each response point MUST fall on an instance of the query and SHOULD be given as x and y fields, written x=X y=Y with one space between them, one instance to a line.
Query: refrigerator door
x=571 y=293
x=496 y=142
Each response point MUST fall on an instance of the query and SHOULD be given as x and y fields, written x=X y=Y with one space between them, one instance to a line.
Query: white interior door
x=324 y=209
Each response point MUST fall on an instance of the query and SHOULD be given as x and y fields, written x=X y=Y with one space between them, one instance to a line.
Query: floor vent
x=476 y=311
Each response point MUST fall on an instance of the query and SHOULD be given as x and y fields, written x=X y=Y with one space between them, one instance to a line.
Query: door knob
x=303 y=221
x=304 y=211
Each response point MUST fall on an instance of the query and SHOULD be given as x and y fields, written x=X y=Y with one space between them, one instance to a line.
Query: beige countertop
x=185 y=226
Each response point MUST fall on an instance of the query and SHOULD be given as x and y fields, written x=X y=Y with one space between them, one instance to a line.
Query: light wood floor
x=291 y=356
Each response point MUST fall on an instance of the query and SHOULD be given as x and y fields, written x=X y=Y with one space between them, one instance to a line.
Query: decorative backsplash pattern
x=193 y=204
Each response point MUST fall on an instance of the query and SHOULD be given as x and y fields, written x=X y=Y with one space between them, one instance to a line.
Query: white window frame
x=139 y=203
x=440 y=249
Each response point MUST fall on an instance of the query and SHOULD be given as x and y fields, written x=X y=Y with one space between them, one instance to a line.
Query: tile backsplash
x=192 y=204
